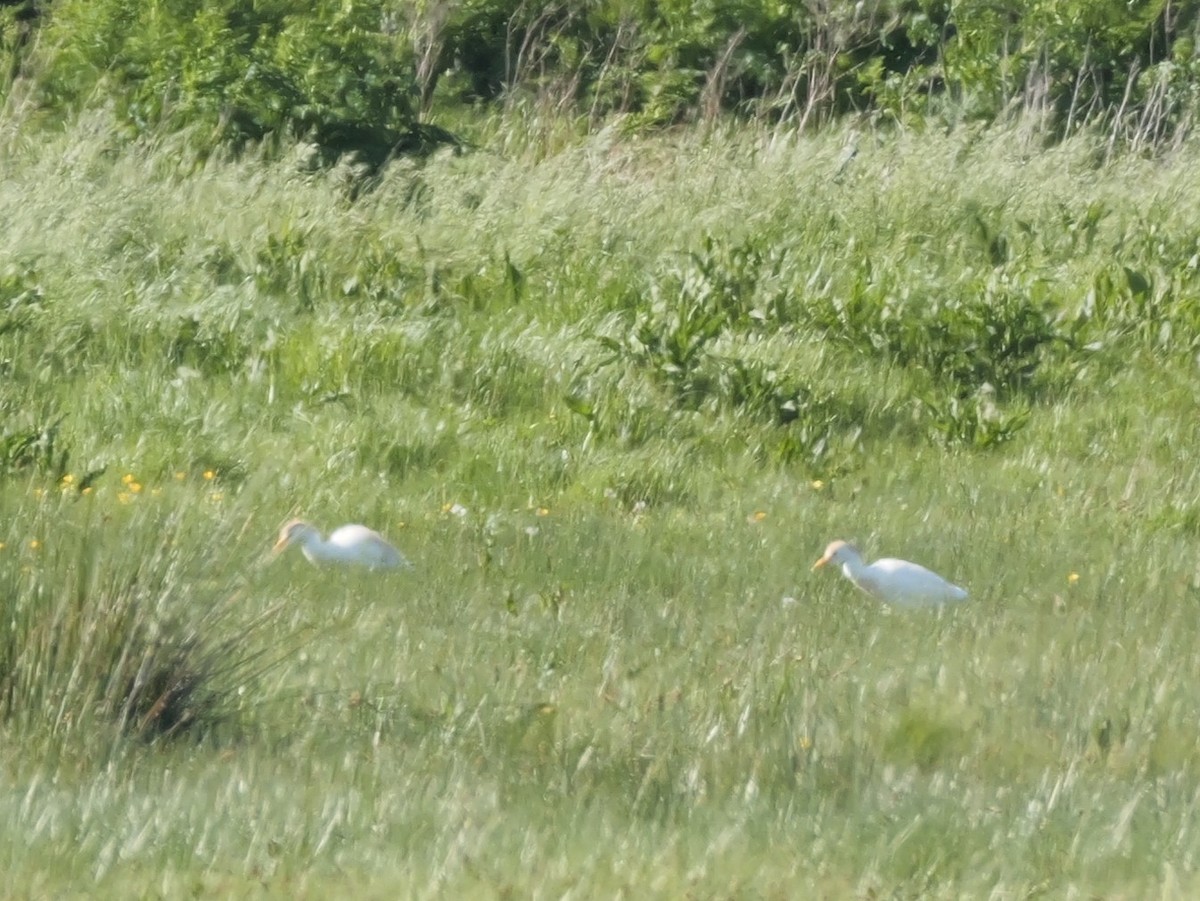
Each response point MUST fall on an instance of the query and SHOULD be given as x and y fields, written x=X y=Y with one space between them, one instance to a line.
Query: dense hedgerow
x=369 y=76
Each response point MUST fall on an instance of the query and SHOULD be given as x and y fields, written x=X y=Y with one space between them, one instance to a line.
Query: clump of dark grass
x=133 y=637
x=174 y=679
x=165 y=686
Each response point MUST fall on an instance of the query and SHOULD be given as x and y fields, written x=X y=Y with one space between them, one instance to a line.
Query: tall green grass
x=612 y=400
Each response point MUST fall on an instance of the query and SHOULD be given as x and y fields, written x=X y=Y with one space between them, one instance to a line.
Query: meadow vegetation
x=611 y=389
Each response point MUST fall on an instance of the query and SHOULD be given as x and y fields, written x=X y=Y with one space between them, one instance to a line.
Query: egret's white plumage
x=352 y=545
x=892 y=581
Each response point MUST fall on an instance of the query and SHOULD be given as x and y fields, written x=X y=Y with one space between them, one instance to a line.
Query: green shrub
x=336 y=74
x=357 y=76
x=993 y=334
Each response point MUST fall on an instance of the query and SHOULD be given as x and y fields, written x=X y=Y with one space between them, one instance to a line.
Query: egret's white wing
x=904 y=582
x=366 y=546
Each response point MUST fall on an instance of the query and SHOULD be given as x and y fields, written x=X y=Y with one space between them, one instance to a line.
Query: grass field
x=612 y=396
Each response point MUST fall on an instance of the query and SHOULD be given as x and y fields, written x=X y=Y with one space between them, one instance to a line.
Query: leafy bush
x=997 y=335
x=338 y=74
x=690 y=340
x=357 y=76
x=714 y=291
x=979 y=348
x=664 y=62
x=976 y=422
x=1075 y=59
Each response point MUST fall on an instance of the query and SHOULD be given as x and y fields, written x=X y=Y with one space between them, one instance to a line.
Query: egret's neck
x=317 y=549
x=853 y=567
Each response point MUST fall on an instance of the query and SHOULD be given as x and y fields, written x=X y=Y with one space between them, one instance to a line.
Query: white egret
x=352 y=545
x=892 y=581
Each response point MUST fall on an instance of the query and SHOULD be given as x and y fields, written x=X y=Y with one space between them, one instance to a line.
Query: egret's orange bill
x=820 y=563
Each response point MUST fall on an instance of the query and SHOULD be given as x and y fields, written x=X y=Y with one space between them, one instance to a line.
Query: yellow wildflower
x=180 y=476
x=127 y=479
x=209 y=474
x=817 y=484
x=68 y=479
x=1072 y=578
x=543 y=511
x=34 y=544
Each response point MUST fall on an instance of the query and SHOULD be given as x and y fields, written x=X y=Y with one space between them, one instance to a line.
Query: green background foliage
x=362 y=74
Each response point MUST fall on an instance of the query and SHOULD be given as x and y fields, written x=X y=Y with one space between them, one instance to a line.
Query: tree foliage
x=338 y=74
x=363 y=74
